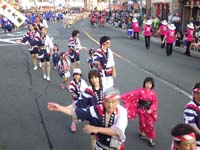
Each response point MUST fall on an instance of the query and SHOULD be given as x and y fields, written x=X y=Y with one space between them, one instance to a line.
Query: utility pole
x=54 y=5
x=110 y=11
x=35 y=4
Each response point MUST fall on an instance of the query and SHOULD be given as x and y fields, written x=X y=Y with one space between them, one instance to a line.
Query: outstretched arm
x=59 y=108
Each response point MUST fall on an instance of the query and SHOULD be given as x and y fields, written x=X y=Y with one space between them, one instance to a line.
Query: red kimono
x=146 y=120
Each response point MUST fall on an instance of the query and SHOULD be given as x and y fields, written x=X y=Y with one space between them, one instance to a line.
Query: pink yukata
x=146 y=120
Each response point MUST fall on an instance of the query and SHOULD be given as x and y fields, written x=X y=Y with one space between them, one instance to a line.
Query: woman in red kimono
x=144 y=102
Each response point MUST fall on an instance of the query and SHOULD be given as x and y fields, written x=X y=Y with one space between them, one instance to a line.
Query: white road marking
x=7 y=41
x=173 y=86
x=11 y=41
x=1 y=45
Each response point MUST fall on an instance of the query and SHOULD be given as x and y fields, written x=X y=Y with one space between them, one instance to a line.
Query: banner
x=12 y=14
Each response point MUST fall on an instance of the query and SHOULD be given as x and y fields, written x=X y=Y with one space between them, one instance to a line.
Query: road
x=27 y=124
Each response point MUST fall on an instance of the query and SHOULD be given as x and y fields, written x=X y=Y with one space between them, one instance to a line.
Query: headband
x=113 y=96
x=189 y=136
x=196 y=90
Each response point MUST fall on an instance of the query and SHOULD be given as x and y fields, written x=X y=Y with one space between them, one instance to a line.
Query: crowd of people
x=154 y=26
x=168 y=33
x=99 y=102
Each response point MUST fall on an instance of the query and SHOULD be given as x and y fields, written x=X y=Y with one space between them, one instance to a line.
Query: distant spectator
x=179 y=39
x=176 y=21
x=169 y=19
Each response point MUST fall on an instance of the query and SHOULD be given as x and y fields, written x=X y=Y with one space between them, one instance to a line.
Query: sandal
x=143 y=137
x=73 y=127
x=151 y=143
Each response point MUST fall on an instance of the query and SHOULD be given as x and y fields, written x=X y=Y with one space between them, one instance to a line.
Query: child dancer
x=55 y=56
x=144 y=102
x=90 y=58
x=76 y=87
x=64 y=70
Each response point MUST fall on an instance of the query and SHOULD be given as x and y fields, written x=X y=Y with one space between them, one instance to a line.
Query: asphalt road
x=27 y=124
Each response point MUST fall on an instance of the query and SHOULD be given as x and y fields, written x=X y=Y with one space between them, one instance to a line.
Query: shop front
x=191 y=12
x=160 y=9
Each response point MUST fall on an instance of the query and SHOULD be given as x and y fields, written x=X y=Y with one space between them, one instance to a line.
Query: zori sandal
x=143 y=137
x=151 y=143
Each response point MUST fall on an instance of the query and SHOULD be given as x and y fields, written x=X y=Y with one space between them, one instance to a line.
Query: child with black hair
x=144 y=102
x=76 y=86
x=179 y=39
x=55 y=56
x=64 y=70
x=90 y=58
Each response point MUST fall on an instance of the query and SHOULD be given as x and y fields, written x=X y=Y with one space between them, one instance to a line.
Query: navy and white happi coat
x=76 y=88
x=192 y=116
x=32 y=37
x=104 y=61
x=90 y=97
x=46 y=45
x=74 y=47
x=96 y=116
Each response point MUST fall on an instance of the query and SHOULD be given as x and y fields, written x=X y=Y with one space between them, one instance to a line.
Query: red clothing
x=93 y=19
x=102 y=20
x=135 y=27
x=146 y=120
x=170 y=36
x=147 y=30
x=189 y=34
x=163 y=29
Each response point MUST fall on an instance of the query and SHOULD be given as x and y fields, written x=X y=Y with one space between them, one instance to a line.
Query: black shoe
x=187 y=54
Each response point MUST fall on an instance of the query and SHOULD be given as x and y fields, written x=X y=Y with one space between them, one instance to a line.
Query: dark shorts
x=74 y=57
x=34 y=51
x=43 y=55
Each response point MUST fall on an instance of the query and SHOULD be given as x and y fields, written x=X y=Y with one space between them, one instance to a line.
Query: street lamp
x=110 y=9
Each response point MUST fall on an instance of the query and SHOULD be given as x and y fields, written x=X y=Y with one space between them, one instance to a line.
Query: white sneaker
x=44 y=76
x=35 y=68
x=40 y=64
x=48 y=78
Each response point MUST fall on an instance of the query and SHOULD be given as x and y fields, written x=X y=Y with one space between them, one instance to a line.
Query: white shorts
x=67 y=74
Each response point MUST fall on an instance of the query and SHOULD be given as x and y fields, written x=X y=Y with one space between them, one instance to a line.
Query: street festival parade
x=100 y=75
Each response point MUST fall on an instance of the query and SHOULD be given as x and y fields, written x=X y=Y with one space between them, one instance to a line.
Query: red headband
x=196 y=90
x=114 y=96
x=189 y=136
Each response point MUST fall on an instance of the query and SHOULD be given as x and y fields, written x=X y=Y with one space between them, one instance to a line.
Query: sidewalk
x=156 y=40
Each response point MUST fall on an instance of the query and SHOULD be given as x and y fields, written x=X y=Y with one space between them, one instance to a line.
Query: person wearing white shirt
x=43 y=21
x=46 y=48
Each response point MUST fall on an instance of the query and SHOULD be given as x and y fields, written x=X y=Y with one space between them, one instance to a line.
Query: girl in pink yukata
x=144 y=102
